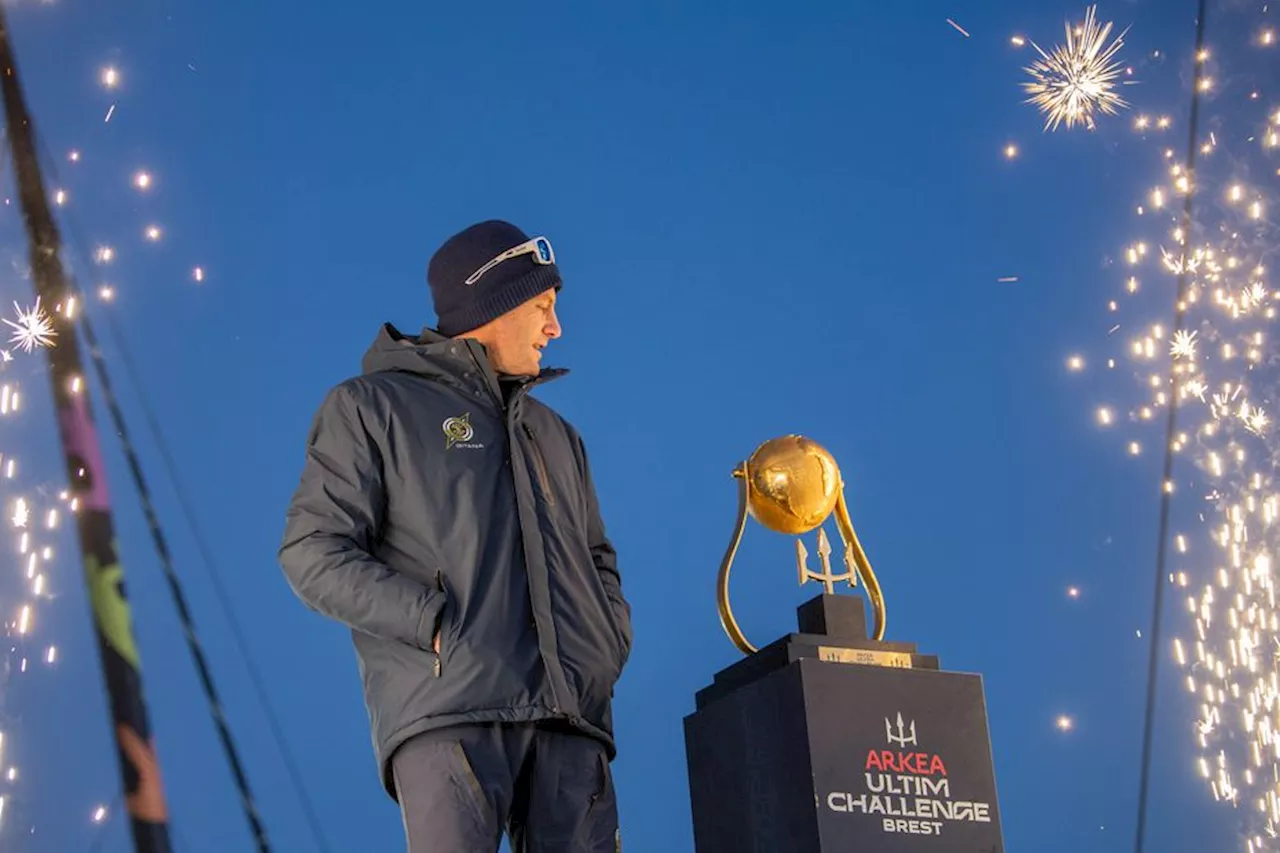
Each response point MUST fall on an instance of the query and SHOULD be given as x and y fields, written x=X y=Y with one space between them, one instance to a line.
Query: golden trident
x=791 y=485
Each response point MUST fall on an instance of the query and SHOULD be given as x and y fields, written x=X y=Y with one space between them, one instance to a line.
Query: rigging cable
x=1166 y=480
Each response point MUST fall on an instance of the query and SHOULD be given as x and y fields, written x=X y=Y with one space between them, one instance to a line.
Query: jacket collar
x=460 y=362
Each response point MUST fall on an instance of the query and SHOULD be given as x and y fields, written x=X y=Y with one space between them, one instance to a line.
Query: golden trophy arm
x=845 y=525
x=722 y=581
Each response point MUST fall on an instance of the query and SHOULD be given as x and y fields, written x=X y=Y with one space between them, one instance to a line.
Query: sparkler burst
x=1078 y=79
x=1221 y=368
x=32 y=329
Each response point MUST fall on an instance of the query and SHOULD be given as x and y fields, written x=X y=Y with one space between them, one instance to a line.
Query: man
x=449 y=519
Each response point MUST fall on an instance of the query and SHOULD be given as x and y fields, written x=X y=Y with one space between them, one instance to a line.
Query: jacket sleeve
x=605 y=558
x=331 y=528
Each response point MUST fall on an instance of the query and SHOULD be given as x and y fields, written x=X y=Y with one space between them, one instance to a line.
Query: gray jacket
x=435 y=495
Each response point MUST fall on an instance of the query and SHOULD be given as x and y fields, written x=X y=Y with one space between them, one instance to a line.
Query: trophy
x=833 y=738
x=791 y=485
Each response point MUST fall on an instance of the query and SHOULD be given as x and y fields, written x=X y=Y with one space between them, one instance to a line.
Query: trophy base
x=832 y=628
x=827 y=742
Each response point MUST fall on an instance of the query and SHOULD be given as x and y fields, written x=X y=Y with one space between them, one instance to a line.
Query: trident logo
x=901 y=737
x=825 y=577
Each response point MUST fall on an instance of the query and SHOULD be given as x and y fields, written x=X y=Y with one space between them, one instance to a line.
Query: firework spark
x=32 y=329
x=21 y=625
x=1183 y=344
x=1221 y=367
x=1078 y=79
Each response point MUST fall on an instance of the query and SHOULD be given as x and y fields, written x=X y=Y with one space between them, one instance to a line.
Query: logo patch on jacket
x=458 y=432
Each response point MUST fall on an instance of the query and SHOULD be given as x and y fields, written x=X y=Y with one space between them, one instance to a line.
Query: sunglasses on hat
x=539 y=247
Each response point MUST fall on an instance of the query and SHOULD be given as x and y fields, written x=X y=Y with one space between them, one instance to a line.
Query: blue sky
x=779 y=220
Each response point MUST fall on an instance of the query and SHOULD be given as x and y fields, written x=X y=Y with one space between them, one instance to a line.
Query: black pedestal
x=801 y=748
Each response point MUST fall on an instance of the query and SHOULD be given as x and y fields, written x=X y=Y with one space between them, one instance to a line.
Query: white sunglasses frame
x=528 y=247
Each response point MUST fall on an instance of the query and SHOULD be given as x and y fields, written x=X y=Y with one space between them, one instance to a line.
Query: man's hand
x=435 y=643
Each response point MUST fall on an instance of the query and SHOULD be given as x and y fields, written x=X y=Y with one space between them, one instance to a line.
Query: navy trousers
x=462 y=787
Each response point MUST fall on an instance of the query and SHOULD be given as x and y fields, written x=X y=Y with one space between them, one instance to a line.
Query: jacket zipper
x=540 y=465
x=545 y=483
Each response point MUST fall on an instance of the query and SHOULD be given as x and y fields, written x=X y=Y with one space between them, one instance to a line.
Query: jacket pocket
x=446 y=618
x=611 y=620
x=540 y=465
x=614 y=624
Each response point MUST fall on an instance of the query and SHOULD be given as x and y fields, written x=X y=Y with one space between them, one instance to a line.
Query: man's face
x=515 y=340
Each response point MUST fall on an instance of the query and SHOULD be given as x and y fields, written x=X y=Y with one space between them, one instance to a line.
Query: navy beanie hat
x=461 y=307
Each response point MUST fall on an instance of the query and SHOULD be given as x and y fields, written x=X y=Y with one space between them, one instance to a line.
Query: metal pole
x=104 y=576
